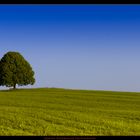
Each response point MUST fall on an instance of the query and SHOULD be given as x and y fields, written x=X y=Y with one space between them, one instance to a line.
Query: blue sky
x=76 y=46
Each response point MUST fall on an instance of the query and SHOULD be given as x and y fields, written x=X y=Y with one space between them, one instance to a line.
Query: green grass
x=53 y=111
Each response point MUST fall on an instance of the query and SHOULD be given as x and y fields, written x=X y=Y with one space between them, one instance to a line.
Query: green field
x=64 y=112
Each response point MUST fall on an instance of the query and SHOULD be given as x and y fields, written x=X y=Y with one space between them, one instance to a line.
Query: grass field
x=64 y=112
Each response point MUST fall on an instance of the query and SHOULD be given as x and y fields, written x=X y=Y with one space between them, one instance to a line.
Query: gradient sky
x=76 y=46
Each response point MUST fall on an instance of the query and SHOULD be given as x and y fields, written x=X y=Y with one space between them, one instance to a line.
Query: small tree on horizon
x=15 y=70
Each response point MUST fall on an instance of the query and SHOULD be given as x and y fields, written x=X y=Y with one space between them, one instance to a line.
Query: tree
x=15 y=70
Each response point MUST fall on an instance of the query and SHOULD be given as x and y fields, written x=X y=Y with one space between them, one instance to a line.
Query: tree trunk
x=14 y=87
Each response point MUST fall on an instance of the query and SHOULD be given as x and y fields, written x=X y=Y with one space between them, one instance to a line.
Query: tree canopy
x=15 y=70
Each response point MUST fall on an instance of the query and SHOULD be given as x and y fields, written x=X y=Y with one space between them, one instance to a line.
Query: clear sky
x=76 y=46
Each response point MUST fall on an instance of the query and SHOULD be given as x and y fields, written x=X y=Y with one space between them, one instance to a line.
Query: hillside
x=53 y=111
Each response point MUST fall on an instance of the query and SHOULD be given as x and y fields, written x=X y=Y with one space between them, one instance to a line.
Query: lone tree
x=15 y=70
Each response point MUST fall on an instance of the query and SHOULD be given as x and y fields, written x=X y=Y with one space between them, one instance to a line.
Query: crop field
x=63 y=112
